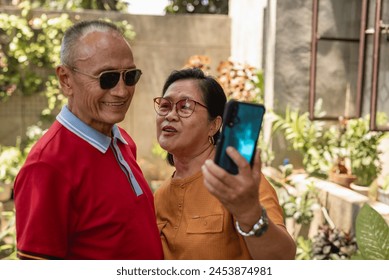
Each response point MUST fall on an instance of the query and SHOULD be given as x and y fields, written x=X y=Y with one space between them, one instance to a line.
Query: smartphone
x=242 y=122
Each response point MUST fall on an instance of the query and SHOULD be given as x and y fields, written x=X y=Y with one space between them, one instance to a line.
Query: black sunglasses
x=109 y=79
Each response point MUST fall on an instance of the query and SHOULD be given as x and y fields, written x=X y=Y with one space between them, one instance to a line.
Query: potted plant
x=300 y=208
x=312 y=139
x=363 y=150
x=340 y=172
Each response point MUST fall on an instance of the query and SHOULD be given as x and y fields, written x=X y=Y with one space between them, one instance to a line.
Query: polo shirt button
x=175 y=227
x=205 y=223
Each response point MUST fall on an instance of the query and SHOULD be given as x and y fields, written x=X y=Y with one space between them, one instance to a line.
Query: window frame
x=378 y=25
x=314 y=43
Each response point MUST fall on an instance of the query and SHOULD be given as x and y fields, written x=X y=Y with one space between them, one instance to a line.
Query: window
x=350 y=59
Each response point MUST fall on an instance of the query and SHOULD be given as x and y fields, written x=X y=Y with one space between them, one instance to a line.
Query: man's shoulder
x=56 y=140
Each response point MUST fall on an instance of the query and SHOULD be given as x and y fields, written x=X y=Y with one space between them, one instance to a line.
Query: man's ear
x=64 y=79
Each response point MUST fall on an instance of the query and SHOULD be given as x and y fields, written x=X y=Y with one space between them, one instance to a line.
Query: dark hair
x=212 y=93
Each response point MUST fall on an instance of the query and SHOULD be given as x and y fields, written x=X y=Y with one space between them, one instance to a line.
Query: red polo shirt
x=76 y=201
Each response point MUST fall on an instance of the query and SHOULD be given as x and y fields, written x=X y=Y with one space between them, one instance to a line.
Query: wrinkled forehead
x=100 y=43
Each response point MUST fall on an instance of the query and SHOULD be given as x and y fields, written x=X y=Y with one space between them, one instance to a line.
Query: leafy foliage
x=105 y=5
x=7 y=236
x=29 y=53
x=197 y=7
x=363 y=149
x=11 y=160
x=312 y=139
x=333 y=244
x=322 y=145
x=304 y=248
x=300 y=207
x=30 y=46
x=13 y=157
x=372 y=234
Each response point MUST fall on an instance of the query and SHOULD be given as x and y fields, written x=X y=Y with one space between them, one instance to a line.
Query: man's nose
x=121 y=89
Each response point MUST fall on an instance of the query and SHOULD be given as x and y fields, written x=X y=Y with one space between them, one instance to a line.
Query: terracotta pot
x=342 y=179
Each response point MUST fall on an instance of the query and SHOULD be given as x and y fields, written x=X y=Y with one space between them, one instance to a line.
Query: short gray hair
x=79 y=30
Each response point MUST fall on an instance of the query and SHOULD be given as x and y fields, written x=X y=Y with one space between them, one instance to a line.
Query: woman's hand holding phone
x=239 y=193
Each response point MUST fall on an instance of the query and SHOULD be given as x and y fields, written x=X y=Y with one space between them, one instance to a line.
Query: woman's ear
x=216 y=124
x=64 y=79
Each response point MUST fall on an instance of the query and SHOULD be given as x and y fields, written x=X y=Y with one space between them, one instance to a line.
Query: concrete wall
x=292 y=54
x=290 y=80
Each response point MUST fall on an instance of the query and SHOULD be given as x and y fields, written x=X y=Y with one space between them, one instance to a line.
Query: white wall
x=247 y=31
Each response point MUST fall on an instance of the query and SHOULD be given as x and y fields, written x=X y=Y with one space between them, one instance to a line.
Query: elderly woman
x=202 y=211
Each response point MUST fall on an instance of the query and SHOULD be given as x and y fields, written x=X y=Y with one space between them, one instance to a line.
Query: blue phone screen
x=241 y=130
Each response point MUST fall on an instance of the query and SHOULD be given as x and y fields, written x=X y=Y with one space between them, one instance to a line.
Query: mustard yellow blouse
x=193 y=224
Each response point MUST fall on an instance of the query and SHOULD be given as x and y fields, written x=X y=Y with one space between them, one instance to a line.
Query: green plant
x=11 y=159
x=363 y=149
x=300 y=207
x=29 y=53
x=321 y=145
x=197 y=7
x=29 y=45
x=113 y=5
x=372 y=233
x=312 y=139
x=333 y=244
x=8 y=236
x=304 y=249
x=286 y=170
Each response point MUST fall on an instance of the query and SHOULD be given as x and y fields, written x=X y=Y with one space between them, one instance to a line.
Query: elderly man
x=81 y=194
